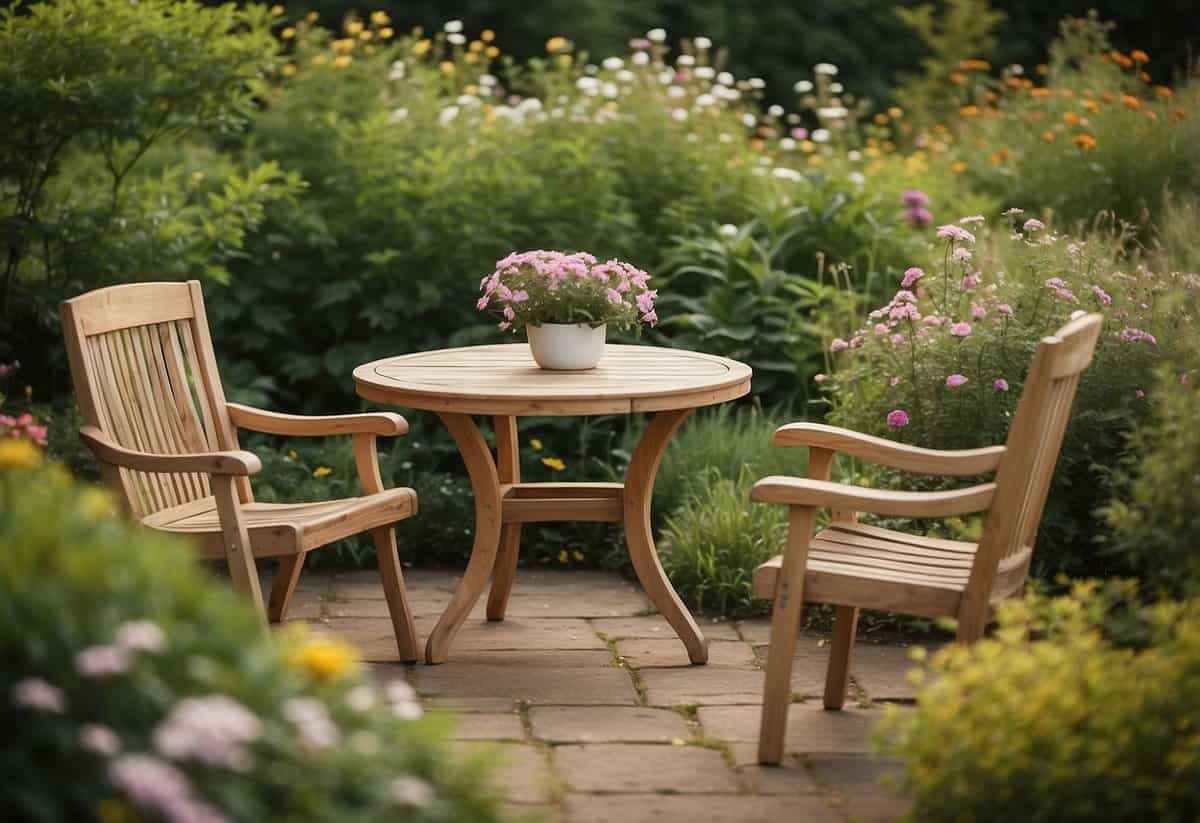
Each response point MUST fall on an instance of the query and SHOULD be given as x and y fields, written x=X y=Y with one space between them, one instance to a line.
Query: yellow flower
x=895 y=112
x=492 y=52
x=322 y=471
x=320 y=60
x=421 y=47
x=557 y=44
x=1085 y=142
x=354 y=27
x=110 y=810
x=476 y=45
x=343 y=46
x=365 y=34
x=564 y=60
x=578 y=555
x=562 y=556
x=535 y=444
x=292 y=453
x=880 y=119
x=18 y=454
x=312 y=17
x=97 y=503
x=553 y=463
x=342 y=61
x=447 y=68
x=999 y=158
x=471 y=57
x=487 y=35
x=958 y=167
x=380 y=18
x=387 y=33
x=276 y=11
x=969 y=111
x=323 y=658
x=288 y=33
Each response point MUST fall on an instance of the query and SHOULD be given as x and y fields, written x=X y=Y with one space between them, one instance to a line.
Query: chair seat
x=287 y=528
x=853 y=564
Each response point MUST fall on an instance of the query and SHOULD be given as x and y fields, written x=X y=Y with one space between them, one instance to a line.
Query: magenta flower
x=1033 y=225
x=918 y=218
x=1000 y=384
x=897 y=418
x=956 y=380
x=911 y=276
x=915 y=199
x=35 y=693
x=960 y=329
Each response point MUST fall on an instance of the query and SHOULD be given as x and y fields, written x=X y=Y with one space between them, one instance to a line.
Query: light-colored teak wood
x=856 y=566
x=155 y=416
x=503 y=383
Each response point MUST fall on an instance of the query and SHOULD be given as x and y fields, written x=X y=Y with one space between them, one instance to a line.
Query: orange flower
x=1085 y=142
x=1048 y=136
x=958 y=167
x=1013 y=82
x=999 y=158
x=1164 y=92
x=1042 y=69
x=1139 y=56
x=958 y=77
x=1130 y=102
x=1091 y=105
x=1144 y=76
x=1108 y=97
x=1151 y=114
x=969 y=111
x=1071 y=118
x=1178 y=115
x=1041 y=91
x=974 y=65
x=1124 y=61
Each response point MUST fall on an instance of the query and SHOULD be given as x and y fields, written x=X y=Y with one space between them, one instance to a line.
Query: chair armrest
x=889 y=453
x=386 y=424
x=799 y=491
x=240 y=463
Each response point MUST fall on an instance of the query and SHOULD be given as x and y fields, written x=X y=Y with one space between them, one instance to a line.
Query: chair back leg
x=287 y=575
x=837 y=676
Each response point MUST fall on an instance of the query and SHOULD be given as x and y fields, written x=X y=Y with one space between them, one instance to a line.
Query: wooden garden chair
x=855 y=566
x=156 y=418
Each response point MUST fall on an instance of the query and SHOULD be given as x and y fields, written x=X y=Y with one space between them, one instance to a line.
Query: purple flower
x=952 y=232
x=1033 y=224
x=918 y=218
x=897 y=418
x=915 y=199
x=956 y=380
x=35 y=693
x=960 y=329
x=211 y=730
x=1131 y=335
x=1104 y=297
x=1000 y=384
x=99 y=739
x=102 y=661
x=911 y=276
x=838 y=345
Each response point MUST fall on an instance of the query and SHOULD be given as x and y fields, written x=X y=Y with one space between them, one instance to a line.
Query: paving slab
x=629 y=767
x=655 y=626
x=485 y=685
x=861 y=785
x=607 y=724
x=702 y=685
x=670 y=652
x=650 y=808
x=488 y=726
x=521 y=772
x=810 y=727
x=790 y=777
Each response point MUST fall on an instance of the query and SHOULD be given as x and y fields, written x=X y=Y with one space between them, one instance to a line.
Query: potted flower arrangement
x=566 y=303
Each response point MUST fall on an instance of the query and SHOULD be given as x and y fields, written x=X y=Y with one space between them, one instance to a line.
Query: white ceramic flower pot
x=566 y=346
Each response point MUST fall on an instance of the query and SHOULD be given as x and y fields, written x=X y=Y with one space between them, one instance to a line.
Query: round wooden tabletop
x=503 y=379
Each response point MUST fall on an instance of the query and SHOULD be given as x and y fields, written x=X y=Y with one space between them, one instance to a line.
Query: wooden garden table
x=502 y=382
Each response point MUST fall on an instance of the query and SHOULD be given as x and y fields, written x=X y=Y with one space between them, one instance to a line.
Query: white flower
x=360 y=698
x=365 y=743
x=453 y=26
x=676 y=92
x=467 y=100
x=857 y=178
x=613 y=63
x=411 y=791
x=749 y=120
x=312 y=723
x=833 y=112
x=639 y=58
x=787 y=144
x=398 y=69
x=725 y=78
x=854 y=155
x=666 y=77
x=610 y=90
x=679 y=115
x=447 y=115
x=685 y=60
x=803 y=87
x=725 y=137
x=757 y=83
x=775 y=111
x=702 y=42
x=836 y=88
x=455 y=39
x=529 y=105
x=825 y=68
x=403 y=700
x=626 y=76
x=728 y=230
x=820 y=136
x=588 y=85
x=783 y=173
x=487 y=80
x=656 y=35
x=705 y=72
x=1017 y=69
x=706 y=100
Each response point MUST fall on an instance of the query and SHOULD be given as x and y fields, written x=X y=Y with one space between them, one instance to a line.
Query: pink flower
x=799 y=133
x=8 y=368
x=953 y=233
x=102 y=661
x=505 y=326
x=918 y=218
x=974 y=219
x=978 y=312
x=904 y=311
x=212 y=730
x=1131 y=335
x=645 y=300
x=519 y=296
x=1139 y=394
x=911 y=276
x=897 y=340
x=895 y=381
x=904 y=296
x=961 y=255
x=960 y=329
x=1000 y=384
x=915 y=199
x=314 y=727
x=956 y=380
x=35 y=693
x=509 y=314
x=650 y=317
x=482 y=303
x=150 y=783
x=881 y=329
x=1065 y=294
x=141 y=636
x=1033 y=224
x=897 y=418
x=99 y=739
x=1104 y=297
x=1004 y=308
x=933 y=320
x=838 y=345
x=613 y=296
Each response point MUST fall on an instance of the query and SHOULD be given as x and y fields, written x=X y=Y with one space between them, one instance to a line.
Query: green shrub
x=1048 y=721
x=132 y=688
x=945 y=360
x=1155 y=514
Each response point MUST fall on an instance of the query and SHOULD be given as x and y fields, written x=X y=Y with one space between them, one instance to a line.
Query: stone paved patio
x=587 y=699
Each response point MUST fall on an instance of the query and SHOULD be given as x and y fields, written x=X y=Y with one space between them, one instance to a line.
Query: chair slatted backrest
x=1027 y=468
x=144 y=372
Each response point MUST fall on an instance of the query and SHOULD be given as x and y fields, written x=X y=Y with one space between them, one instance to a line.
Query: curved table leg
x=485 y=484
x=639 y=485
x=508 y=467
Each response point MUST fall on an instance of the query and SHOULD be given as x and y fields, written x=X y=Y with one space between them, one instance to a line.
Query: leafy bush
x=1033 y=724
x=943 y=363
x=131 y=688
x=1155 y=513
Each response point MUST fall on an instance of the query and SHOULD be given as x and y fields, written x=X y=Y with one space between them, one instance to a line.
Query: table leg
x=508 y=467
x=639 y=485
x=485 y=485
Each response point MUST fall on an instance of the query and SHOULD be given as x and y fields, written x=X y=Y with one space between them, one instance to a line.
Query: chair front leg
x=785 y=626
x=366 y=457
x=238 y=553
